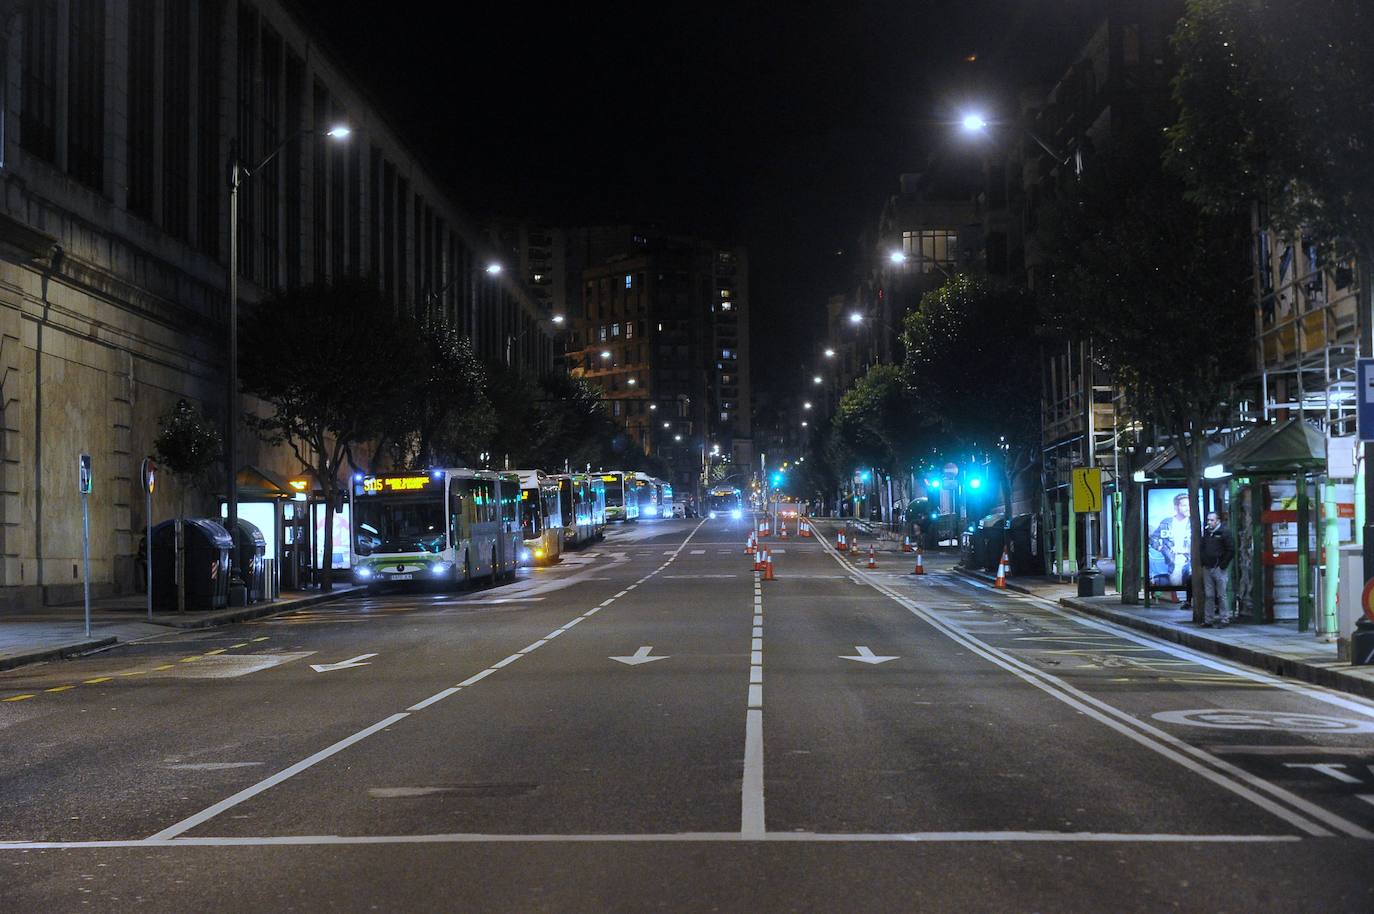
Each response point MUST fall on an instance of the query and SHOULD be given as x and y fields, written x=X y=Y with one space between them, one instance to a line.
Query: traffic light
x=975 y=482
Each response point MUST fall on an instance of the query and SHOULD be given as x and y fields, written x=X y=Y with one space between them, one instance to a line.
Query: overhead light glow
x=974 y=122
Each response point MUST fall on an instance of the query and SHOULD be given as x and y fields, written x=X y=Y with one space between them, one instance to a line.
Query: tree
x=331 y=362
x=1276 y=104
x=550 y=421
x=187 y=446
x=973 y=364
x=879 y=423
x=1160 y=288
x=445 y=417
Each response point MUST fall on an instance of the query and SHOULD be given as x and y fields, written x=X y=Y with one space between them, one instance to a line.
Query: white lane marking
x=1221 y=773
x=756 y=696
x=1349 y=703
x=755 y=674
x=969 y=837
x=349 y=664
x=478 y=677
x=591 y=612
x=640 y=656
x=631 y=587
x=211 y=766
x=751 y=806
x=607 y=602
x=618 y=596
x=248 y=793
x=866 y=655
x=1367 y=797
x=535 y=646
x=758 y=631
x=232 y=801
x=698 y=552
x=694 y=577
x=553 y=634
x=756 y=644
x=572 y=623
x=437 y=696
x=1330 y=769
x=507 y=662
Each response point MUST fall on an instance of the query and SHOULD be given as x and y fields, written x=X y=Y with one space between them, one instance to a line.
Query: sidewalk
x=60 y=631
x=1279 y=649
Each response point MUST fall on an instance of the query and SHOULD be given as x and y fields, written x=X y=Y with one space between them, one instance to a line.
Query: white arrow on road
x=342 y=664
x=640 y=656
x=866 y=655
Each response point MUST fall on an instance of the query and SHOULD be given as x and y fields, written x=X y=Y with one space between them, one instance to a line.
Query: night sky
x=778 y=126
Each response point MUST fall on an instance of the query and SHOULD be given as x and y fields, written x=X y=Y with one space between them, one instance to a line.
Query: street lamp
x=806 y=405
x=829 y=353
x=493 y=269
x=974 y=123
x=855 y=318
x=897 y=257
x=558 y=319
x=817 y=380
x=238 y=173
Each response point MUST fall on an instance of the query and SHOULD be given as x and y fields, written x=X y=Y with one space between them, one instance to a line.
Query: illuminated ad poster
x=1169 y=534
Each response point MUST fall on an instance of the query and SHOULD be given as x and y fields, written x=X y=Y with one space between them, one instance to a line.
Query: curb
x=245 y=613
x=227 y=617
x=1287 y=667
x=61 y=652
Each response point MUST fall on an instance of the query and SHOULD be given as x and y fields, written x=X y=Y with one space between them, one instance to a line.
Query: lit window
x=603 y=333
x=629 y=330
x=629 y=281
x=725 y=306
x=724 y=293
x=615 y=330
x=660 y=327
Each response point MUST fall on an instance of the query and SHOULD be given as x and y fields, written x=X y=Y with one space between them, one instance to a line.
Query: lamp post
x=513 y=338
x=238 y=173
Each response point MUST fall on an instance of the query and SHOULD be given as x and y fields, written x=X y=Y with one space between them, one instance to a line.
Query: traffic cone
x=758 y=558
x=872 y=558
x=749 y=544
x=1002 y=571
x=805 y=526
x=782 y=528
x=768 y=566
x=906 y=544
x=920 y=562
x=839 y=540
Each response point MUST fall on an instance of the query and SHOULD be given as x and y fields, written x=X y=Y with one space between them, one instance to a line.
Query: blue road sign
x=1364 y=374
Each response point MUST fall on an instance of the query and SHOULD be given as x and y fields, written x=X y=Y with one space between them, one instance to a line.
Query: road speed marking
x=1245 y=719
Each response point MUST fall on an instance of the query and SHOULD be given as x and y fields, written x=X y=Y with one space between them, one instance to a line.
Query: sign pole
x=83 y=482
x=1364 y=416
x=149 y=474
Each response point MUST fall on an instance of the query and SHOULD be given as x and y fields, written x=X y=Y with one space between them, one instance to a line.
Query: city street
x=649 y=726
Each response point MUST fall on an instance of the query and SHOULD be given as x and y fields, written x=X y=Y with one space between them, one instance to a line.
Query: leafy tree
x=187 y=446
x=973 y=364
x=445 y=418
x=1159 y=287
x=879 y=423
x=332 y=362
x=1276 y=103
x=547 y=422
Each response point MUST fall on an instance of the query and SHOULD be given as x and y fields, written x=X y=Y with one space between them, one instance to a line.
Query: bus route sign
x=382 y=485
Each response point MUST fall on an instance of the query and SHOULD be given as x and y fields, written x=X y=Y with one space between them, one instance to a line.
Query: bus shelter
x=1272 y=475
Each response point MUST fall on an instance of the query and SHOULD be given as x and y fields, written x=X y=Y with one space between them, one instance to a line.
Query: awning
x=252 y=482
x=1167 y=467
x=1286 y=449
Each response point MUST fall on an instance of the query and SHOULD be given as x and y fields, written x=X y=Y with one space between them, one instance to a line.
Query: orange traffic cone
x=758 y=558
x=782 y=528
x=749 y=544
x=839 y=540
x=805 y=527
x=906 y=544
x=768 y=566
x=1002 y=571
x=920 y=561
x=872 y=558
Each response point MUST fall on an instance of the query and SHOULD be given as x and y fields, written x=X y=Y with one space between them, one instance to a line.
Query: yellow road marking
x=263 y=638
x=98 y=679
x=188 y=659
x=214 y=652
x=165 y=666
x=239 y=645
x=61 y=688
x=16 y=698
x=141 y=672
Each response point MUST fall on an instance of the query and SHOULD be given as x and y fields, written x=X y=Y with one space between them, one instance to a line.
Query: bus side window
x=470 y=496
x=488 y=489
x=458 y=506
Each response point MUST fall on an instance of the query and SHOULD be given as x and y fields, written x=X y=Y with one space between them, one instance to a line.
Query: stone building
x=118 y=121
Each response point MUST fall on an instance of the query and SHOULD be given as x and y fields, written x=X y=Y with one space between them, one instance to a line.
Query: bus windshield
x=614 y=495
x=387 y=525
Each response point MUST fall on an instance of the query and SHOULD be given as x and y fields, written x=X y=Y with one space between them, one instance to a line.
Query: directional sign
x=1087 y=490
x=342 y=664
x=866 y=655
x=83 y=474
x=640 y=656
x=1364 y=416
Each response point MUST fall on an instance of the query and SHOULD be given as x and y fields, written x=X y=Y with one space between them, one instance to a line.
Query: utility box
x=1348 y=608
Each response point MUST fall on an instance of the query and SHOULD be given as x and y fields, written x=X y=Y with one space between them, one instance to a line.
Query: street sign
x=1087 y=490
x=83 y=474
x=1364 y=373
x=1367 y=600
x=148 y=472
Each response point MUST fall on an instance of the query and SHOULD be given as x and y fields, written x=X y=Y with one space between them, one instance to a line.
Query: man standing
x=1218 y=548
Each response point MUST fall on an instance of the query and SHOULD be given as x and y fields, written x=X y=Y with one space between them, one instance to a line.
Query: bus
x=665 y=499
x=724 y=501
x=622 y=501
x=582 y=498
x=442 y=527
x=541 y=517
x=646 y=493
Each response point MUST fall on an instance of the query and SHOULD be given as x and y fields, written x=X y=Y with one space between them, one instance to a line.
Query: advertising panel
x=1168 y=523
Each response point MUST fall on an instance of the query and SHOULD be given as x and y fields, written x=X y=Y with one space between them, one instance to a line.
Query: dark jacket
x=1218 y=548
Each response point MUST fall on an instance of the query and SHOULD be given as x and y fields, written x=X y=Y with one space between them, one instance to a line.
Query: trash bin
x=1023 y=544
x=990 y=540
x=206 y=549
x=250 y=556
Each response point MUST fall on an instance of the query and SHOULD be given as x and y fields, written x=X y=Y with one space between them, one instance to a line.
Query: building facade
x=119 y=120
x=662 y=327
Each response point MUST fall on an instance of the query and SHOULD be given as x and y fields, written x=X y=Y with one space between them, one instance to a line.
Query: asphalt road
x=648 y=727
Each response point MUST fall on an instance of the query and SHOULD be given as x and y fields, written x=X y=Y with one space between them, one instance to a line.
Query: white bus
x=442 y=527
x=622 y=502
x=583 y=500
x=646 y=494
x=541 y=517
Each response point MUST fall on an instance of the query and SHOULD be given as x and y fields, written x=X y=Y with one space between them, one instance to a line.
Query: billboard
x=1169 y=535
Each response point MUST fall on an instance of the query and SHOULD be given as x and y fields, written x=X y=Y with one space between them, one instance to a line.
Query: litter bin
x=1023 y=544
x=989 y=541
x=250 y=556
x=206 y=550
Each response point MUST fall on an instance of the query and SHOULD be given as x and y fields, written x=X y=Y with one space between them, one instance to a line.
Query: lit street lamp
x=238 y=173
x=829 y=353
x=897 y=257
x=493 y=269
x=817 y=380
x=806 y=405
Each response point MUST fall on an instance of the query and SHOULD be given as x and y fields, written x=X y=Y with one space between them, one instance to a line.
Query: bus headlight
x=524 y=555
x=736 y=514
x=438 y=569
x=364 y=573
